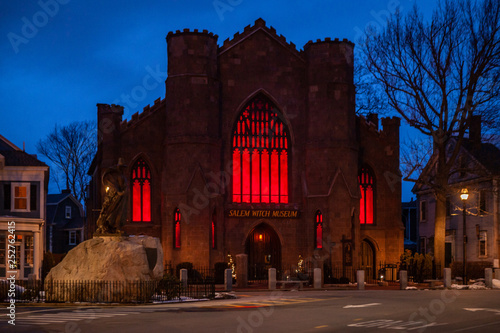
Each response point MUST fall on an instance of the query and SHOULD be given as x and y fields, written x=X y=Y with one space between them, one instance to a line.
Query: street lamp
x=464 y=195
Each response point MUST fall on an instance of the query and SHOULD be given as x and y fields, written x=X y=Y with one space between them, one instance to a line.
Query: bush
x=419 y=266
x=169 y=286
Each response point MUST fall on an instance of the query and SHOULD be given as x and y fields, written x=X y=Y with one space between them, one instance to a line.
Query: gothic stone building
x=257 y=149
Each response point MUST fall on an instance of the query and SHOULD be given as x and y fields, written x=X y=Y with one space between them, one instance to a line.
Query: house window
x=482 y=243
x=20 y=197
x=177 y=228
x=318 y=227
x=213 y=238
x=423 y=211
x=68 y=212
x=72 y=238
x=141 y=192
x=423 y=245
x=366 y=203
x=261 y=150
x=482 y=202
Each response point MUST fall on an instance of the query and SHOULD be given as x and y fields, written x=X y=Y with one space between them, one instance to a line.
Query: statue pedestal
x=110 y=258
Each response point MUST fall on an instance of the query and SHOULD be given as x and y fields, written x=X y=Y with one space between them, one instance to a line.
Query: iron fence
x=103 y=291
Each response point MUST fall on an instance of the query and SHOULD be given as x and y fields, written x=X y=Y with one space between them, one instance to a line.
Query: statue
x=114 y=209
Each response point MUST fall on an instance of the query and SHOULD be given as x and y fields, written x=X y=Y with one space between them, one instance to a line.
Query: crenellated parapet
x=139 y=116
x=249 y=30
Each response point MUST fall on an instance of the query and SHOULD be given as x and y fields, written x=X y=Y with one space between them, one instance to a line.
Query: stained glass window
x=141 y=192
x=318 y=226
x=177 y=228
x=261 y=150
x=366 y=204
x=213 y=234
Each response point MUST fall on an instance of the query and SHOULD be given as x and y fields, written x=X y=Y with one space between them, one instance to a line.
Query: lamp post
x=464 y=195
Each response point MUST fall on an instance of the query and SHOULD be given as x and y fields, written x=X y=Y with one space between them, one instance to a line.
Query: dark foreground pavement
x=280 y=311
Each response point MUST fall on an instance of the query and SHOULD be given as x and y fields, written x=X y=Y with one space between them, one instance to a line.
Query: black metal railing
x=103 y=291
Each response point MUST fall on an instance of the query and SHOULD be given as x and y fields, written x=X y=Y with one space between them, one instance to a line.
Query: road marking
x=361 y=305
x=62 y=317
x=395 y=324
x=482 y=309
x=322 y=326
x=474 y=327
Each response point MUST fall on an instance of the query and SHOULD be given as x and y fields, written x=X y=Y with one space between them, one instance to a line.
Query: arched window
x=213 y=234
x=261 y=150
x=177 y=228
x=366 y=203
x=141 y=192
x=318 y=227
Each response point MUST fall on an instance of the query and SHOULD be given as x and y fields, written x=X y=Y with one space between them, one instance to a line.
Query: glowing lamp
x=464 y=195
x=260 y=237
x=107 y=189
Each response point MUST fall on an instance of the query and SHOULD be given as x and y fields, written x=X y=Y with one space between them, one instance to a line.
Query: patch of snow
x=411 y=288
x=477 y=286
x=459 y=287
x=496 y=284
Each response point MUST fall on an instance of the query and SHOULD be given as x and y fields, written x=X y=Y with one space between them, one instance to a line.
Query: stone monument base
x=92 y=267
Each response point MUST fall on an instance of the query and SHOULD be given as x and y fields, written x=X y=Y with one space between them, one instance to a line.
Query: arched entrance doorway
x=264 y=251
x=367 y=259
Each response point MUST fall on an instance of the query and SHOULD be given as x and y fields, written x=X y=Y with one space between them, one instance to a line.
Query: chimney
x=475 y=132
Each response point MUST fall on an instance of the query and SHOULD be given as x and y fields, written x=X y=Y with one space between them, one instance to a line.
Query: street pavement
x=280 y=311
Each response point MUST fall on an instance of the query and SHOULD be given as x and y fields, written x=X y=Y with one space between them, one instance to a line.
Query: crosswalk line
x=62 y=317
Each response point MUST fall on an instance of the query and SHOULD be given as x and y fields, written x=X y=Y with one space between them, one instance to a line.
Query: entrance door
x=264 y=251
x=368 y=259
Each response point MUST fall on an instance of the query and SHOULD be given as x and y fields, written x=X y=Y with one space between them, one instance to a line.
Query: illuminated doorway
x=264 y=251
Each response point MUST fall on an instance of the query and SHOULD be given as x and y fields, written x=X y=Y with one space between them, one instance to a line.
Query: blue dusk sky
x=59 y=58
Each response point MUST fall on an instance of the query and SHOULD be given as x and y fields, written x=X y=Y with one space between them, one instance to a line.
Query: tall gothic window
x=141 y=192
x=261 y=150
x=366 y=204
x=318 y=227
x=177 y=228
x=213 y=238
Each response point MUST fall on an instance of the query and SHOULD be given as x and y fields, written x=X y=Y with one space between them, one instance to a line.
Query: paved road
x=305 y=311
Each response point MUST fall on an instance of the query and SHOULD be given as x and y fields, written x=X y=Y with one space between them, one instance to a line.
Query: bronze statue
x=114 y=209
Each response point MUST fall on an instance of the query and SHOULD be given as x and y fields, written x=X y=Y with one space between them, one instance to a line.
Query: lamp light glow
x=464 y=195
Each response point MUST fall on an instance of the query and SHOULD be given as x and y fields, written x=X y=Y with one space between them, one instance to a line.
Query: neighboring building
x=65 y=222
x=410 y=223
x=257 y=149
x=478 y=170
x=23 y=192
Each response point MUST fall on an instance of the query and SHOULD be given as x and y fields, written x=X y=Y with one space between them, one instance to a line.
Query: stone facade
x=187 y=142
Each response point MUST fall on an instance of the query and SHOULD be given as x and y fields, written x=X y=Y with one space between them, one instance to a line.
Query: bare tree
x=71 y=149
x=436 y=74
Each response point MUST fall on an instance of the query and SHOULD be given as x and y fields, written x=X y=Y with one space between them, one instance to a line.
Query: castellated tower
x=109 y=118
x=331 y=130
x=192 y=147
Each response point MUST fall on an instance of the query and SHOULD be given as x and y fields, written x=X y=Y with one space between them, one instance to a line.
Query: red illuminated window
x=141 y=192
x=318 y=234
x=366 y=203
x=261 y=150
x=177 y=228
x=213 y=238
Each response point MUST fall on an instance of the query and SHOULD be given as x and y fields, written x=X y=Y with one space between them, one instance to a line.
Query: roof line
x=9 y=143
